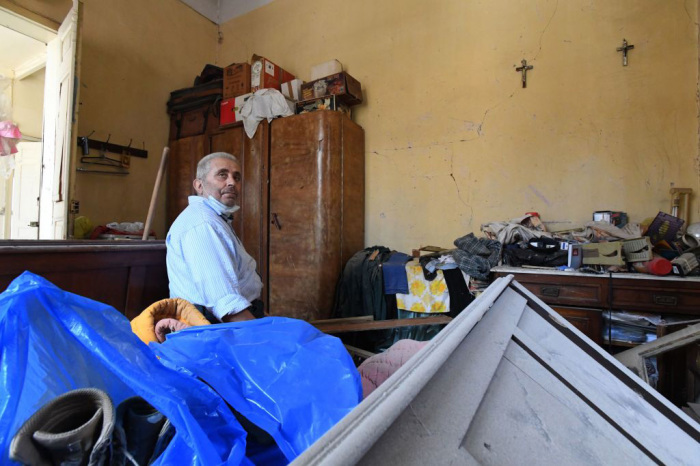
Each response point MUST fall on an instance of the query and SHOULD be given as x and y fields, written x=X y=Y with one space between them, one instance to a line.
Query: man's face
x=223 y=182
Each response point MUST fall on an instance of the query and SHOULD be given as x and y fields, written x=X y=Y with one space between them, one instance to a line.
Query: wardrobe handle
x=276 y=222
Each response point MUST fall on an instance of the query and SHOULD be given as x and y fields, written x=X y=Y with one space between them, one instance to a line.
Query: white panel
x=530 y=417
x=25 y=192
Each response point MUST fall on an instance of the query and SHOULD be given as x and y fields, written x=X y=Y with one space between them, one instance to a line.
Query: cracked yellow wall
x=454 y=141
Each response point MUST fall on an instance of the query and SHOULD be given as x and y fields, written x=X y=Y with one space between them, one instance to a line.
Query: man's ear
x=197 y=184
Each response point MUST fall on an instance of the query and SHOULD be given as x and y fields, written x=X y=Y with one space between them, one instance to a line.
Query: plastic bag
x=282 y=374
x=128 y=227
x=52 y=341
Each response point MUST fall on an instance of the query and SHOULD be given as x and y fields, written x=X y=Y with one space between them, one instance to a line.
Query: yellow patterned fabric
x=424 y=296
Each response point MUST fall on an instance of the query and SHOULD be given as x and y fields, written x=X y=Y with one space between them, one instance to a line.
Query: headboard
x=128 y=275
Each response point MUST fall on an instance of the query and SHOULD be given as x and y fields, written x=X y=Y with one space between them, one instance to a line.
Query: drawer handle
x=551 y=291
x=665 y=300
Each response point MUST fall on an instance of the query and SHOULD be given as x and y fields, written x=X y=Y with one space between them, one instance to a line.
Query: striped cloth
x=207 y=264
x=476 y=256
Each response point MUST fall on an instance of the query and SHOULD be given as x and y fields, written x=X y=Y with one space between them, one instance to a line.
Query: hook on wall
x=84 y=143
x=105 y=146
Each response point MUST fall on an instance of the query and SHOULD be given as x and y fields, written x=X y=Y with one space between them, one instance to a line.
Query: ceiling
x=23 y=45
x=220 y=11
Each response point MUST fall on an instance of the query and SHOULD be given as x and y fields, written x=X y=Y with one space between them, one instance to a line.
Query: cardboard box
x=326 y=69
x=231 y=109
x=236 y=80
x=325 y=103
x=618 y=219
x=292 y=89
x=603 y=253
x=346 y=88
x=266 y=75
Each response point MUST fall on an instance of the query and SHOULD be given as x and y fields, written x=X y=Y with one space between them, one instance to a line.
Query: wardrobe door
x=182 y=166
x=250 y=223
x=305 y=206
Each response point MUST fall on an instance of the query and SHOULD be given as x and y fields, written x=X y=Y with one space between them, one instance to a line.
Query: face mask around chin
x=219 y=207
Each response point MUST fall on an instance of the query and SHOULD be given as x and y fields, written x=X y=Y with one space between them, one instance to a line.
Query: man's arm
x=245 y=314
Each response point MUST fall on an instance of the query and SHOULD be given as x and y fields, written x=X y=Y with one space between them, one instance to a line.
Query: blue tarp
x=284 y=375
x=52 y=341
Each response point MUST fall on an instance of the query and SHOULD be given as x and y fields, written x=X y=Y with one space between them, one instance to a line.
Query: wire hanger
x=102 y=159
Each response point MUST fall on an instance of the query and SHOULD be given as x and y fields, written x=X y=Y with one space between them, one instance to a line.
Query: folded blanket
x=177 y=309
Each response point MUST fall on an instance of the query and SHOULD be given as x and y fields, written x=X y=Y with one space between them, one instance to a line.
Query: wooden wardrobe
x=302 y=205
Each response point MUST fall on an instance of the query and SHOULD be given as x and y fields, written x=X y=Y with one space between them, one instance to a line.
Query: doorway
x=40 y=69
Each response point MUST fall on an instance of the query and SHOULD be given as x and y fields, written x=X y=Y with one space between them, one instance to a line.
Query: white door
x=25 y=191
x=59 y=119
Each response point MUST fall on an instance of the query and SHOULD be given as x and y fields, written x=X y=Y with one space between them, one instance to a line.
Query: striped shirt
x=207 y=264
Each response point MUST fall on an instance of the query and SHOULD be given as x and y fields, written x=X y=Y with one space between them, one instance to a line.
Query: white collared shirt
x=207 y=263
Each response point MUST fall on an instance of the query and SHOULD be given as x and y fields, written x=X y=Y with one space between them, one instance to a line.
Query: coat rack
x=120 y=165
x=86 y=143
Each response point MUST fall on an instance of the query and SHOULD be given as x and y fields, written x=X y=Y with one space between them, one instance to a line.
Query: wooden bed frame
x=128 y=275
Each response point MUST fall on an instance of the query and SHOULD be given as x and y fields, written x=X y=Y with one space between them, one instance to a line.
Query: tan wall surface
x=134 y=53
x=28 y=103
x=453 y=141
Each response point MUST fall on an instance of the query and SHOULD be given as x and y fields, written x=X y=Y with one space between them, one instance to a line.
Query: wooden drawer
x=656 y=298
x=553 y=292
x=588 y=321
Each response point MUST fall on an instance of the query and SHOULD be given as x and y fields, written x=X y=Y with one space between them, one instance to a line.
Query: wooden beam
x=359 y=352
x=361 y=326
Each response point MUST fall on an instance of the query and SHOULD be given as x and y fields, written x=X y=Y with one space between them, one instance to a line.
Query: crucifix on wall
x=523 y=69
x=625 y=47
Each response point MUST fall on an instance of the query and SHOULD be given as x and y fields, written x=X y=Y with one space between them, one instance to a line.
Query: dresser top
x=553 y=271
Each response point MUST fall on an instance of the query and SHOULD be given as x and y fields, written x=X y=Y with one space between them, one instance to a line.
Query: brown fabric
x=144 y=325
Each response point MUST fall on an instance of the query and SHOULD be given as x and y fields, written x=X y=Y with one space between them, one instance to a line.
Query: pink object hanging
x=9 y=137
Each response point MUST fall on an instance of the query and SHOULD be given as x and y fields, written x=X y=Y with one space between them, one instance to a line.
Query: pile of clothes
x=389 y=284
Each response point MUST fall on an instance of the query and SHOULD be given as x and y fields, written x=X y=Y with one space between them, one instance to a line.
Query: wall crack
x=556 y=7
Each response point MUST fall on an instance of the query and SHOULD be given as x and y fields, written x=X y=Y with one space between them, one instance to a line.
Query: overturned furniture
x=635 y=358
x=509 y=381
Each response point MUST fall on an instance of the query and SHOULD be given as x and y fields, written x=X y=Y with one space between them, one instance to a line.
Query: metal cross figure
x=624 y=50
x=523 y=69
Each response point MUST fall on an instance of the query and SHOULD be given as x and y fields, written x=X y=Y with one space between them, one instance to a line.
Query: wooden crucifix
x=625 y=47
x=523 y=69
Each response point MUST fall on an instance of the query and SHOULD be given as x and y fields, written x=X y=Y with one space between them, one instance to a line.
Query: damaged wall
x=454 y=141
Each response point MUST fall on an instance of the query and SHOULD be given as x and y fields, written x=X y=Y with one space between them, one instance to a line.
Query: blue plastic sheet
x=284 y=375
x=52 y=341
